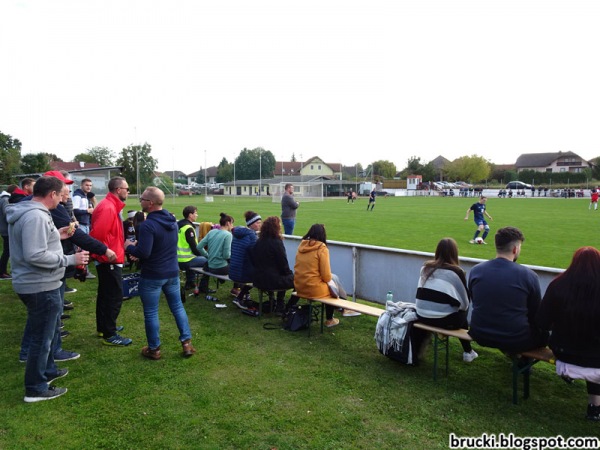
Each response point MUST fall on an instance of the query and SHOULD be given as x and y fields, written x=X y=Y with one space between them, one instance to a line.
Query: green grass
x=252 y=388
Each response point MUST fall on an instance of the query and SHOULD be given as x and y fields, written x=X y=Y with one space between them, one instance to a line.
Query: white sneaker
x=350 y=313
x=469 y=357
x=472 y=241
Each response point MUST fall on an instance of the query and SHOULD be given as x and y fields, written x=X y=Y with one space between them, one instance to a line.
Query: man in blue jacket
x=156 y=247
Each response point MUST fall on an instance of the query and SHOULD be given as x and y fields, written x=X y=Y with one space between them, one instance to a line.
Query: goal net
x=307 y=191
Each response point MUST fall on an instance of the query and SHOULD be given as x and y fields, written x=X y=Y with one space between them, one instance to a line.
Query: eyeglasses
x=142 y=199
x=126 y=188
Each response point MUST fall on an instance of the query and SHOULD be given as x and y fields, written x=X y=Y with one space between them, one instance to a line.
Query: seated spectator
x=218 y=242
x=506 y=297
x=442 y=297
x=312 y=271
x=271 y=269
x=240 y=267
x=571 y=311
x=188 y=255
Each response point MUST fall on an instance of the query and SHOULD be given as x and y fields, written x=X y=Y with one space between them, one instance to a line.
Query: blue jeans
x=198 y=261
x=84 y=228
x=149 y=291
x=56 y=341
x=288 y=225
x=43 y=313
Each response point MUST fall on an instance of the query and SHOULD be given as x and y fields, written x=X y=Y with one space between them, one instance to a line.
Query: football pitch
x=553 y=227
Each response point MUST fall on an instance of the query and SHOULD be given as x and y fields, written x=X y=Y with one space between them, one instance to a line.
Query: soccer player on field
x=479 y=212
x=594 y=199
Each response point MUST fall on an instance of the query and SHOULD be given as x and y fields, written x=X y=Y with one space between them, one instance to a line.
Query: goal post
x=307 y=191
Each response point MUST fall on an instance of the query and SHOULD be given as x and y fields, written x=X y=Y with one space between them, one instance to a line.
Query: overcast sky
x=349 y=80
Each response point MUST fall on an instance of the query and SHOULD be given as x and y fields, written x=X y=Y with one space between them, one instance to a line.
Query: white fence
x=369 y=272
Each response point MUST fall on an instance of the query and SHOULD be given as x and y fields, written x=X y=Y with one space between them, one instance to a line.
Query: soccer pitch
x=553 y=227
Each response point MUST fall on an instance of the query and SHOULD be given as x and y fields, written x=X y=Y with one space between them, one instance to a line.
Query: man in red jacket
x=107 y=227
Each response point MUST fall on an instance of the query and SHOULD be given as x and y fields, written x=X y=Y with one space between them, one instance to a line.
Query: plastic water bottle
x=390 y=296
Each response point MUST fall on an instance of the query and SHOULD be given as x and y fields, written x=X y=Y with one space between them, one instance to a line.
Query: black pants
x=203 y=287
x=452 y=321
x=109 y=298
x=5 y=255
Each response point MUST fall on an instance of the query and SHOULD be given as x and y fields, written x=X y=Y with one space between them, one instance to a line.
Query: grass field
x=554 y=228
x=252 y=388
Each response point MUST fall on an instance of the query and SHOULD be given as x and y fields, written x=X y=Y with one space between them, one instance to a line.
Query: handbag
x=296 y=318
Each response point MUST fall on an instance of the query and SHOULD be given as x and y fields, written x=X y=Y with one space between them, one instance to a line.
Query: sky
x=350 y=81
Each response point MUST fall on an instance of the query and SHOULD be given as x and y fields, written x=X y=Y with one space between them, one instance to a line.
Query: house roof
x=286 y=167
x=72 y=166
x=541 y=159
x=210 y=172
x=440 y=162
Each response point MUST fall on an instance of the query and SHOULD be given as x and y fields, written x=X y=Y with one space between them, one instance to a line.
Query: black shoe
x=69 y=290
x=64 y=333
x=59 y=374
x=207 y=291
x=65 y=317
x=593 y=412
x=189 y=286
x=49 y=394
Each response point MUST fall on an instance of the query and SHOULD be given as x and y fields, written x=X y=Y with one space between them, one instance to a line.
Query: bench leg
x=519 y=368
x=437 y=340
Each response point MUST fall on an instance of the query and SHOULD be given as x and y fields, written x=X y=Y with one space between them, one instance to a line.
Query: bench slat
x=353 y=306
x=461 y=333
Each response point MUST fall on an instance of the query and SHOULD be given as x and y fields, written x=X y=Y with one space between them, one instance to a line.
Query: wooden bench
x=340 y=303
x=224 y=278
x=442 y=336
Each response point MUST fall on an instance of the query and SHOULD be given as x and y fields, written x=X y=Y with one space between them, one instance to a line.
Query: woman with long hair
x=312 y=271
x=442 y=298
x=571 y=310
x=269 y=258
x=218 y=242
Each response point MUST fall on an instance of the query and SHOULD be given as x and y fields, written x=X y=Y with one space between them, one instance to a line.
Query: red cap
x=60 y=176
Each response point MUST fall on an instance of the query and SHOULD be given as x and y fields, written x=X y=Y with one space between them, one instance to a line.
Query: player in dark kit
x=479 y=212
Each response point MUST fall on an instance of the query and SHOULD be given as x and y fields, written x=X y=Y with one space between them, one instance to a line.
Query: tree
x=103 y=156
x=200 y=176
x=385 y=169
x=35 y=163
x=147 y=165
x=469 y=168
x=595 y=167
x=248 y=162
x=224 y=171
x=10 y=157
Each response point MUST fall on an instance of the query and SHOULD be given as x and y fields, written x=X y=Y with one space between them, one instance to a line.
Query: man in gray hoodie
x=38 y=265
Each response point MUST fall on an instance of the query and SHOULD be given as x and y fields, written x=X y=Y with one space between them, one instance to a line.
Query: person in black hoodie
x=571 y=310
x=156 y=248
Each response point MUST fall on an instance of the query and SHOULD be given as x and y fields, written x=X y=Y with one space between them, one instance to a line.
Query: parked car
x=517 y=185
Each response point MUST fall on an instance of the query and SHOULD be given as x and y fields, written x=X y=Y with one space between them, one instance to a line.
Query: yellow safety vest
x=184 y=252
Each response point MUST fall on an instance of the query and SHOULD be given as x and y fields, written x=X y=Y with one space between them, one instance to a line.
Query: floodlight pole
x=205 y=181
x=259 y=173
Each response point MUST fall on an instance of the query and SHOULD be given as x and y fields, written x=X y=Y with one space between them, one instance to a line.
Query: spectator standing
x=157 y=249
x=571 y=311
x=442 y=297
x=506 y=297
x=107 y=227
x=218 y=241
x=4 y=196
x=288 y=209
x=187 y=253
x=38 y=265
x=479 y=210
x=270 y=264
x=82 y=207
x=25 y=190
x=240 y=267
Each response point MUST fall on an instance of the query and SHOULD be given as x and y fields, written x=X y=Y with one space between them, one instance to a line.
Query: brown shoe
x=149 y=353
x=188 y=349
